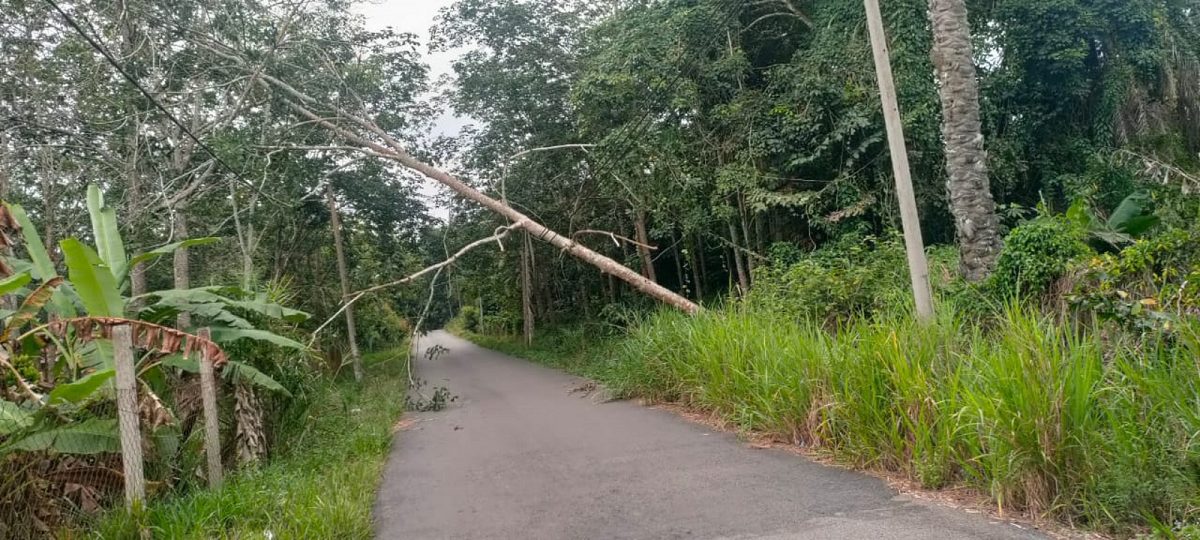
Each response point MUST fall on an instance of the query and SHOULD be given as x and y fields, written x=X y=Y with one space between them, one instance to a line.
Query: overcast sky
x=417 y=16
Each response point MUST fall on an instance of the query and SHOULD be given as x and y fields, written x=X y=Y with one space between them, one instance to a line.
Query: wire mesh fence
x=137 y=425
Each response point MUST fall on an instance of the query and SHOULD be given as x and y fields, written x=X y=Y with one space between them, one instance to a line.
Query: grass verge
x=322 y=487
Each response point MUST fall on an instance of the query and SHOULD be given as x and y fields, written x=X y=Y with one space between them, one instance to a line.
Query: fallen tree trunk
x=391 y=149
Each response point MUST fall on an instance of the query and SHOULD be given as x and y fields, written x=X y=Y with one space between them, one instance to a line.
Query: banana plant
x=1132 y=218
x=94 y=290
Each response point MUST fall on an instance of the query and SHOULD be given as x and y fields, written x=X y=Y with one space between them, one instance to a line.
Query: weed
x=298 y=495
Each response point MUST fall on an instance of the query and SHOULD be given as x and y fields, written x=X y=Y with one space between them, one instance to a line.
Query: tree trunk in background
x=976 y=223
x=133 y=197
x=250 y=436
x=760 y=233
x=746 y=242
x=698 y=266
x=639 y=223
x=335 y=223
x=183 y=266
x=137 y=274
x=678 y=261
x=527 y=289
x=743 y=279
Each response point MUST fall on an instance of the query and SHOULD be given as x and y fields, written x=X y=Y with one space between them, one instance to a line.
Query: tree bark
x=976 y=223
x=679 y=273
x=743 y=279
x=182 y=263
x=250 y=436
x=698 y=266
x=335 y=223
x=527 y=290
x=746 y=242
x=643 y=238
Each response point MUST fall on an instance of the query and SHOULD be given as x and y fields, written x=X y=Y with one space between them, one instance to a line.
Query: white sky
x=417 y=17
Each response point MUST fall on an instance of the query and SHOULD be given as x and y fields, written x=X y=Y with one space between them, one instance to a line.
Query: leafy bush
x=855 y=275
x=1035 y=255
x=470 y=318
x=1148 y=285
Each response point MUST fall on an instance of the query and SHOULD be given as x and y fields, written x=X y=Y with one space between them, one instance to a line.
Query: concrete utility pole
x=918 y=267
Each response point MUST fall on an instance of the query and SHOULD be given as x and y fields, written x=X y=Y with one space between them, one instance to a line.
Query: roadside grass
x=579 y=348
x=1094 y=428
x=322 y=486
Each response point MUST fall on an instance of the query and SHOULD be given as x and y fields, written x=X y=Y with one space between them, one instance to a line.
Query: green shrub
x=854 y=275
x=470 y=318
x=1035 y=255
x=1148 y=285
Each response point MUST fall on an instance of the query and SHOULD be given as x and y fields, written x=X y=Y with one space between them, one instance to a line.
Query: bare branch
x=351 y=299
x=547 y=149
x=616 y=238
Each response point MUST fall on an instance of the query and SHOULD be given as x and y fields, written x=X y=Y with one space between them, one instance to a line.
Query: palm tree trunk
x=976 y=223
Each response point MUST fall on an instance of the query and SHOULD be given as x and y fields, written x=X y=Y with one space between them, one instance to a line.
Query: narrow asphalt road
x=519 y=456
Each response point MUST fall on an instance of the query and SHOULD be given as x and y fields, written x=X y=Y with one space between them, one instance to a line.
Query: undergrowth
x=322 y=486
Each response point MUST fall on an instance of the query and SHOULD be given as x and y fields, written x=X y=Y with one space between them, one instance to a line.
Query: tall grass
x=1049 y=420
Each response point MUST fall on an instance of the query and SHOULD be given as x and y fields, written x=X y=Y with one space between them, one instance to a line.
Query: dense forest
x=694 y=200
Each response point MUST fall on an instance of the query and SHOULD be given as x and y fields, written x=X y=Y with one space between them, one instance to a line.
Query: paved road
x=520 y=457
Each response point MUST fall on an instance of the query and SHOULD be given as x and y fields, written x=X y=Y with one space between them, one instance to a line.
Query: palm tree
x=978 y=228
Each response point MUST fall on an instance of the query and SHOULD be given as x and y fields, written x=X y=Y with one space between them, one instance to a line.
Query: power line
x=98 y=47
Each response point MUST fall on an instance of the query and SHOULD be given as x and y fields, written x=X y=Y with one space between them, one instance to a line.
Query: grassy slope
x=323 y=487
x=1046 y=421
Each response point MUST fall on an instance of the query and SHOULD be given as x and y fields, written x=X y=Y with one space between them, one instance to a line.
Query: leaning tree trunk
x=978 y=228
x=394 y=150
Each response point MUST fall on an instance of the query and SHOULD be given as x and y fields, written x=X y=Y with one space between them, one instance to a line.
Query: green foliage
x=1132 y=218
x=297 y=495
x=469 y=317
x=850 y=277
x=13 y=418
x=1035 y=255
x=92 y=436
x=1150 y=285
x=93 y=280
